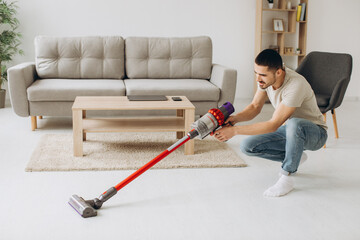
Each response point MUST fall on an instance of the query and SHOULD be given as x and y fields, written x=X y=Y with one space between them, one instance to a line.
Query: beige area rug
x=117 y=151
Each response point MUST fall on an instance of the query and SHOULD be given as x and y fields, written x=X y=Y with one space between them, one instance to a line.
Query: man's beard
x=263 y=86
x=266 y=85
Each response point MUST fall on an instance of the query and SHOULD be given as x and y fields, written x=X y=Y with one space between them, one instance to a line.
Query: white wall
x=333 y=26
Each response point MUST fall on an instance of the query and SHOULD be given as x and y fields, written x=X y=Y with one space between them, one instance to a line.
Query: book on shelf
x=298 y=12
x=303 y=9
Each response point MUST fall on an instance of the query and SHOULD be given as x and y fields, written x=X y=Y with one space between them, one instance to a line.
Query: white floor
x=224 y=203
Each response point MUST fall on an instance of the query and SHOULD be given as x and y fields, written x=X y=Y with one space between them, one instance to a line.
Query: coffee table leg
x=77 y=133
x=84 y=116
x=189 y=119
x=180 y=113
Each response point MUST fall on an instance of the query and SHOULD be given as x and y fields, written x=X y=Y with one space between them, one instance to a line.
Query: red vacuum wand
x=208 y=123
x=152 y=162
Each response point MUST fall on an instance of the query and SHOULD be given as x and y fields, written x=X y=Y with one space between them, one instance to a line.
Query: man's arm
x=281 y=114
x=252 y=110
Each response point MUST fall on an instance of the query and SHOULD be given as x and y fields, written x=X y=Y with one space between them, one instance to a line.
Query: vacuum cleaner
x=207 y=124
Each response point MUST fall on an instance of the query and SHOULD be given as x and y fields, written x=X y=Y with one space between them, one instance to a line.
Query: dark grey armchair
x=329 y=75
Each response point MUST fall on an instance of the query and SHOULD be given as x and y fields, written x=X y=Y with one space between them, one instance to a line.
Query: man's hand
x=224 y=133
x=231 y=121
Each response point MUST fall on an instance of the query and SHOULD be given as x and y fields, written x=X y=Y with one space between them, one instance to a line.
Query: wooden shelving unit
x=294 y=34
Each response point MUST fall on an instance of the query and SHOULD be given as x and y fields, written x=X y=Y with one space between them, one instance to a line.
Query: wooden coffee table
x=185 y=116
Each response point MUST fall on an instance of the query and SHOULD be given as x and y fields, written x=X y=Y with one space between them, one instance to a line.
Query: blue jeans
x=286 y=144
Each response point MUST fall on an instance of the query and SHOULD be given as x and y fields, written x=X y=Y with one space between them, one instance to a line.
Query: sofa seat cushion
x=194 y=90
x=68 y=89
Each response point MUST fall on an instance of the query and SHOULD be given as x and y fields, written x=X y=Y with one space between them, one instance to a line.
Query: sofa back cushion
x=79 y=57
x=168 y=57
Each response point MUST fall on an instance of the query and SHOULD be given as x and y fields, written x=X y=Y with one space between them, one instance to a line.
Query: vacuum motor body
x=213 y=119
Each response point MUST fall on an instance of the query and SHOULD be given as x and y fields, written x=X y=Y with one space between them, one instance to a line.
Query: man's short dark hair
x=269 y=58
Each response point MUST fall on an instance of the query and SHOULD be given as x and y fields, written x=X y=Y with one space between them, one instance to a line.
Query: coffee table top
x=122 y=103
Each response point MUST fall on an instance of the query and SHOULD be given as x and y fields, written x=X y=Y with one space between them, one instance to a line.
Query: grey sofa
x=66 y=67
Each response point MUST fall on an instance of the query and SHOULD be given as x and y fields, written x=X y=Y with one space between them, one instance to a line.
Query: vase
x=271 y=5
x=288 y=5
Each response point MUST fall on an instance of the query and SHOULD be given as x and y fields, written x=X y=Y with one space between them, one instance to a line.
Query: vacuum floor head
x=83 y=207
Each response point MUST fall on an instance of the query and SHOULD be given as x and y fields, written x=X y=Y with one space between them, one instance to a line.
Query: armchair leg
x=335 y=123
x=33 y=123
x=324 y=114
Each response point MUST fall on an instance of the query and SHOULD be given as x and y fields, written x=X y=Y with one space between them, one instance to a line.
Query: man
x=295 y=105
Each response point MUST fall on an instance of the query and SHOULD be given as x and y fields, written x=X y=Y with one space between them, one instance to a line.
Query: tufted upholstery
x=66 y=67
x=79 y=57
x=186 y=58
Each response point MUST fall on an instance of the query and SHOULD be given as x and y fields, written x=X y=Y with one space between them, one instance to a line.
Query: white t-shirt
x=297 y=92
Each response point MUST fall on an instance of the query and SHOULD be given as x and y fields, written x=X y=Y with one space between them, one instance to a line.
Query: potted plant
x=271 y=3
x=9 y=41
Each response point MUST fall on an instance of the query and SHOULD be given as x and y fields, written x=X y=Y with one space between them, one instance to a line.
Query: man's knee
x=294 y=122
x=293 y=127
x=247 y=146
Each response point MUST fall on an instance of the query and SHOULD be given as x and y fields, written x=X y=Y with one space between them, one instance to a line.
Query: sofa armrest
x=20 y=78
x=225 y=79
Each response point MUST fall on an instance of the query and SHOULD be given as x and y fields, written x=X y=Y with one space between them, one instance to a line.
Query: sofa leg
x=33 y=123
